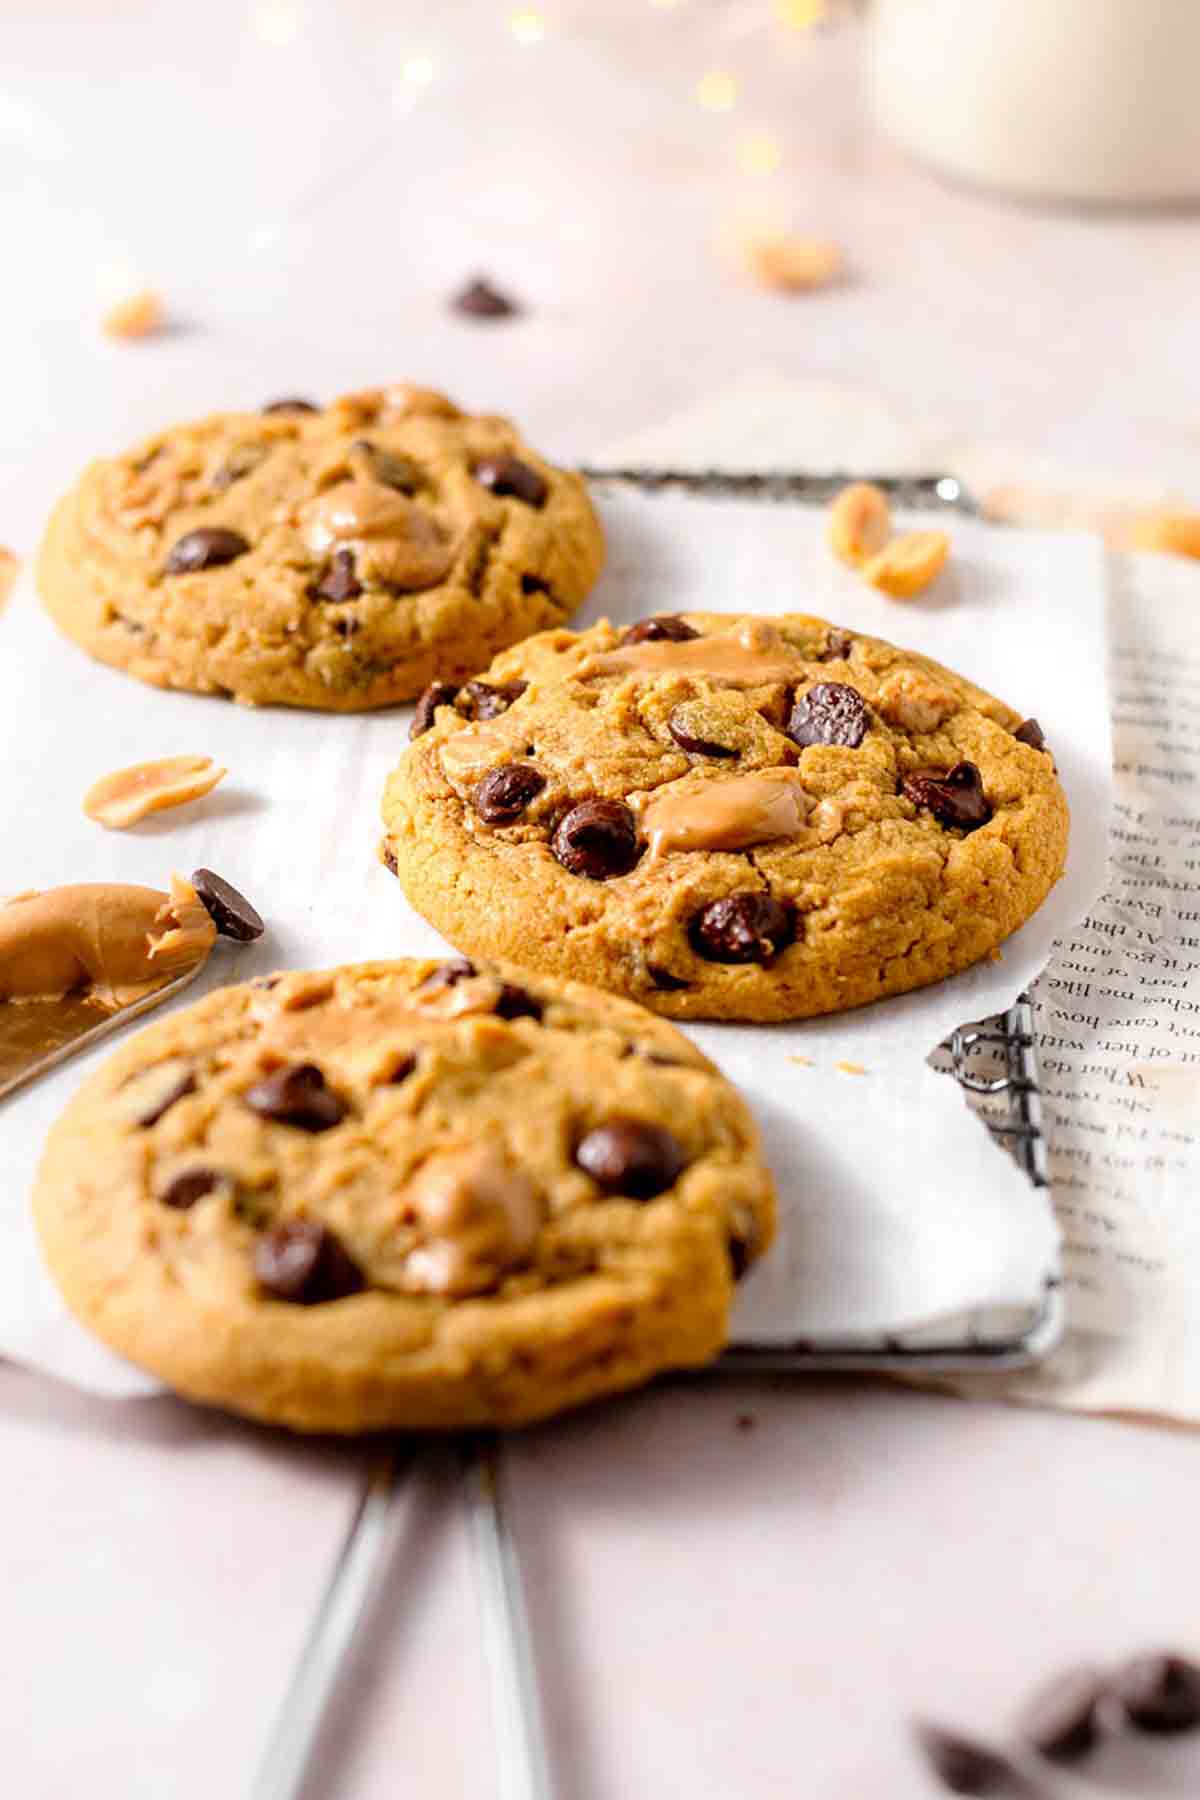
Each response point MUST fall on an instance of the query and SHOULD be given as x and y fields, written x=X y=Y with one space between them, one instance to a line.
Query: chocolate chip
x=231 y=912
x=487 y=702
x=533 y=584
x=1030 y=733
x=664 y=626
x=448 y=974
x=598 y=839
x=438 y=693
x=1061 y=1720
x=687 y=740
x=304 y=1263
x=512 y=479
x=504 y=793
x=190 y=1185
x=340 y=580
x=165 y=1098
x=389 y=859
x=391 y=470
x=628 y=1156
x=345 y=628
x=516 y=1003
x=209 y=547
x=1159 y=1693
x=838 y=646
x=290 y=406
x=830 y=713
x=297 y=1095
x=741 y=1255
x=664 y=980
x=480 y=300
x=954 y=796
x=965 y=1767
x=743 y=928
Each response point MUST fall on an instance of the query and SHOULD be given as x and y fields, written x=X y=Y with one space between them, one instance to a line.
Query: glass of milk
x=1074 y=100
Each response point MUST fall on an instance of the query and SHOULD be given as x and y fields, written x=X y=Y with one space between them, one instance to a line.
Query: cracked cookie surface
x=338 y=558
x=726 y=817
x=405 y=1194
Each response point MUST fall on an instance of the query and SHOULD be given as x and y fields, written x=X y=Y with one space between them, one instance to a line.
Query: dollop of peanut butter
x=727 y=815
x=479 y=1216
x=398 y=541
x=112 y=942
x=753 y=656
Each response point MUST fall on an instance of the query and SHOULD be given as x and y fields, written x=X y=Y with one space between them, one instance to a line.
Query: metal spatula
x=37 y=1035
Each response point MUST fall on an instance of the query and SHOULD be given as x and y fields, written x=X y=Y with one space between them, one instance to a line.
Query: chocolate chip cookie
x=339 y=558
x=726 y=817
x=405 y=1194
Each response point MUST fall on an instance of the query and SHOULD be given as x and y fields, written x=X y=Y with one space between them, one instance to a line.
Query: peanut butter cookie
x=340 y=558
x=405 y=1194
x=726 y=817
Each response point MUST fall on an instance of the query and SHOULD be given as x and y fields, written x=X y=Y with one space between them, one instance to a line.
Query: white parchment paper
x=897 y=1210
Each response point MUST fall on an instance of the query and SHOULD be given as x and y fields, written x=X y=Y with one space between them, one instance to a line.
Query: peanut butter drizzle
x=753 y=656
x=403 y=544
x=728 y=815
x=480 y=1216
x=102 y=943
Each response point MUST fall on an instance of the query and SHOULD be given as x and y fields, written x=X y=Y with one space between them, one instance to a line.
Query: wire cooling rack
x=994 y=1062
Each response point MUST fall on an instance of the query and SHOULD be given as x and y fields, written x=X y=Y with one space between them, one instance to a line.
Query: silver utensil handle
x=281 y=1772
x=516 y=1703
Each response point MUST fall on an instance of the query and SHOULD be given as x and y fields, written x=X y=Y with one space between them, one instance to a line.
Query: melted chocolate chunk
x=1062 y=1720
x=663 y=626
x=231 y=912
x=697 y=745
x=504 y=793
x=190 y=1185
x=743 y=928
x=830 y=713
x=838 y=646
x=516 y=1003
x=389 y=469
x=209 y=547
x=296 y=1095
x=389 y=859
x=438 y=693
x=186 y=1084
x=340 y=580
x=290 y=405
x=597 y=839
x=511 y=479
x=1160 y=1693
x=954 y=796
x=533 y=584
x=628 y=1156
x=304 y=1263
x=448 y=974
x=487 y=702
x=1030 y=732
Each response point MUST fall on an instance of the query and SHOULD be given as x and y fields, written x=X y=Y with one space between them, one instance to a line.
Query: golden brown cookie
x=339 y=558
x=405 y=1194
x=726 y=817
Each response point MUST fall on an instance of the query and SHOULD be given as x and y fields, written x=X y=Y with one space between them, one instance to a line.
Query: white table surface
x=718 y=1611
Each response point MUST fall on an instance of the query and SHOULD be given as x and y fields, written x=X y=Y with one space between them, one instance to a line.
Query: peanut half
x=1177 y=533
x=860 y=523
x=791 y=264
x=127 y=795
x=137 y=316
x=908 y=564
x=9 y=564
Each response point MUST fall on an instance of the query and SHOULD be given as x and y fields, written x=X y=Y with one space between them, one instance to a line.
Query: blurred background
x=996 y=197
